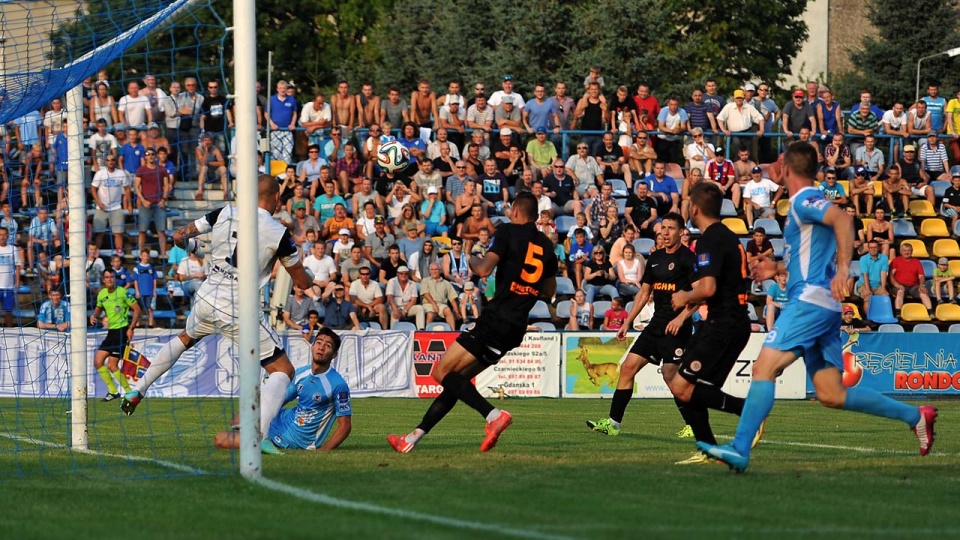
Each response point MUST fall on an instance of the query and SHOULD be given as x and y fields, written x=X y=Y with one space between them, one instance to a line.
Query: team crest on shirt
x=678 y=352
x=670 y=266
x=316 y=397
x=695 y=366
x=815 y=201
x=703 y=259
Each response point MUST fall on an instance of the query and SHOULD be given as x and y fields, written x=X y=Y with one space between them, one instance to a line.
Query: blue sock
x=868 y=401
x=755 y=411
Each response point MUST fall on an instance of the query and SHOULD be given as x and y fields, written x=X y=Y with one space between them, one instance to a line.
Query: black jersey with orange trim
x=721 y=255
x=667 y=273
x=527 y=262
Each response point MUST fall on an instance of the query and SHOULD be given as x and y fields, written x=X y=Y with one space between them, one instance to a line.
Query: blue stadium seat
x=954 y=328
x=890 y=328
x=728 y=209
x=540 y=311
x=855 y=269
x=600 y=308
x=903 y=228
x=928 y=268
x=437 y=326
x=770 y=225
x=620 y=187
x=926 y=328
x=644 y=246
x=563 y=309
x=404 y=326
x=621 y=206
x=752 y=312
x=779 y=245
x=546 y=326
x=881 y=310
x=939 y=187
x=565 y=286
x=372 y=325
x=564 y=223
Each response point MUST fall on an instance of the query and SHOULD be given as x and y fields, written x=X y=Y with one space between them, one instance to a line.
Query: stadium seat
x=621 y=206
x=926 y=328
x=644 y=246
x=752 y=312
x=922 y=208
x=727 y=209
x=955 y=267
x=600 y=308
x=565 y=286
x=856 y=310
x=779 y=246
x=404 y=326
x=845 y=184
x=736 y=225
x=563 y=309
x=891 y=328
x=903 y=228
x=946 y=247
x=855 y=269
x=372 y=325
x=919 y=248
x=913 y=312
x=619 y=187
x=499 y=219
x=546 y=326
x=956 y=228
x=770 y=225
x=939 y=187
x=165 y=310
x=877 y=190
x=675 y=171
x=744 y=242
x=539 y=311
x=928 y=268
x=783 y=207
x=933 y=227
x=442 y=243
x=948 y=312
x=954 y=328
x=467 y=326
x=277 y=167
x=437 y=326
x=881 y=310
x=564 y=223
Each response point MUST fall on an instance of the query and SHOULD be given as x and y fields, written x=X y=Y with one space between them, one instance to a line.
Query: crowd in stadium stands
x=393 y=248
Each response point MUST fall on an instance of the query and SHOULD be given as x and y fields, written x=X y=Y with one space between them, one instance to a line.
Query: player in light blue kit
x=819 y=237
x=322 y=396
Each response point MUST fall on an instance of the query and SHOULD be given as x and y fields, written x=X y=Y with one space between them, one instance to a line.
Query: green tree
x=887 y=63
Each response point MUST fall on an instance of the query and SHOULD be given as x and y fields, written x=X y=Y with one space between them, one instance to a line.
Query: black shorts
x=490 y=339
x=115 y=342
x=714 y=350
x=657 y=346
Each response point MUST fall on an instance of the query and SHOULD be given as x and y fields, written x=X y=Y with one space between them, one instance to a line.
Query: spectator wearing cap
x=862 y=192
x=470 y=302
x=302 y=221
x=740 y=118
x=720 y=171
x=453 y=118
x=870 y=158
x=933 y=159
x=540 y=153
x=434 y=213
x=540 y=112
x=211 y=165
x=507 y=114
x=343 y=245
x=120 y=131
x=760 y=196
x=911 y=171
x=377 y=245
x=796 y=114
x=860 y=124
x=402 y=296
x=850 y=324
x=339 y=313
x=943 y=279
x=950 y=207
x=833 y=191
x=496 y=99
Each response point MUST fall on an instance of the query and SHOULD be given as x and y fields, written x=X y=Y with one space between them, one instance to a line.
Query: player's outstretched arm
x=842 y=225
x=300 y=275
x=340 y=434
x=182 y=235
x=484 y=266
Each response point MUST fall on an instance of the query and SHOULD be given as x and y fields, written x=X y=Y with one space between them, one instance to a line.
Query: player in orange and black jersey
x=715 y=348
x=526 y=269
x=665 y=338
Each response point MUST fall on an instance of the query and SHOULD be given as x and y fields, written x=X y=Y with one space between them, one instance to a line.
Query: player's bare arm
x=842 y=225
x=340 y=434
x=674 y=326
x=640 y=300
x=181 y=235
x=484 y=266
x=704 y=288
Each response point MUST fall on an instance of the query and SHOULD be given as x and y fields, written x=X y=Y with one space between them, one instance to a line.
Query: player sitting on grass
x=819 y=239
x=321 y=395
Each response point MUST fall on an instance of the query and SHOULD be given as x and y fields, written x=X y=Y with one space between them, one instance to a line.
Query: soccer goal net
x=89 y=92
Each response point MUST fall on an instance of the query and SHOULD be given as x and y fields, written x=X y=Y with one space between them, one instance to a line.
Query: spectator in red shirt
x=720 y=171
x=907 y=278
x=614 y=318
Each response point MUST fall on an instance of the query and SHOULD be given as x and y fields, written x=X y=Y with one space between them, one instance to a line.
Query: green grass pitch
x=819 y=474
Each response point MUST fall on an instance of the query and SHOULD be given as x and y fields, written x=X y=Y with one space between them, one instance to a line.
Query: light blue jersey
x=808 y=323
x=811 y=250
x=320 y=399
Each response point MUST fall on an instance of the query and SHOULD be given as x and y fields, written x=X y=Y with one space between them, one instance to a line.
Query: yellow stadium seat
x=877 y=189
x=277 y=167
x=946 y=247
x=914 y=312
x=948 y=312
x=955 y=267
x=922 y=208
x=846 y=186
x=736 y=225
x=442 y=243
x=783 y=207
x=866 y=222
x=919 y=248
x=934 y=227
x=856 y=310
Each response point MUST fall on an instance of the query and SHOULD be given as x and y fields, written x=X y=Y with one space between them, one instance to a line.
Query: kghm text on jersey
x=523 y=290
x=660 y=286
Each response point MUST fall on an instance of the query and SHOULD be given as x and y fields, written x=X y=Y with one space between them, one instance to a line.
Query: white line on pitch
x=860 y=449
x=319 y=498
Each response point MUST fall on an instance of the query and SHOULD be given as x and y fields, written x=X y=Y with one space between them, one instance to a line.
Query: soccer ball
x=393 y=156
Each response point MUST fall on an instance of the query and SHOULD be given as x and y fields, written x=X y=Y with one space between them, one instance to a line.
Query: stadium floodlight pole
x=949 y=52
x=78 y=297
x=248 y=274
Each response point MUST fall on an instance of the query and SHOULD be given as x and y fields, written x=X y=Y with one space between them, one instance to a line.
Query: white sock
x=166 y=358
x=494 y=414
x=271 y=399
x=414 y=436
x=615 y=423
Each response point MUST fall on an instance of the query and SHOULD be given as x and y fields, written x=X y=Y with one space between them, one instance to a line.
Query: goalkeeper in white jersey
x=215 y=303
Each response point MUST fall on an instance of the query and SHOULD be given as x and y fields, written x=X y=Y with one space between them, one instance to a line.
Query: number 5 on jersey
x=533 y=258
